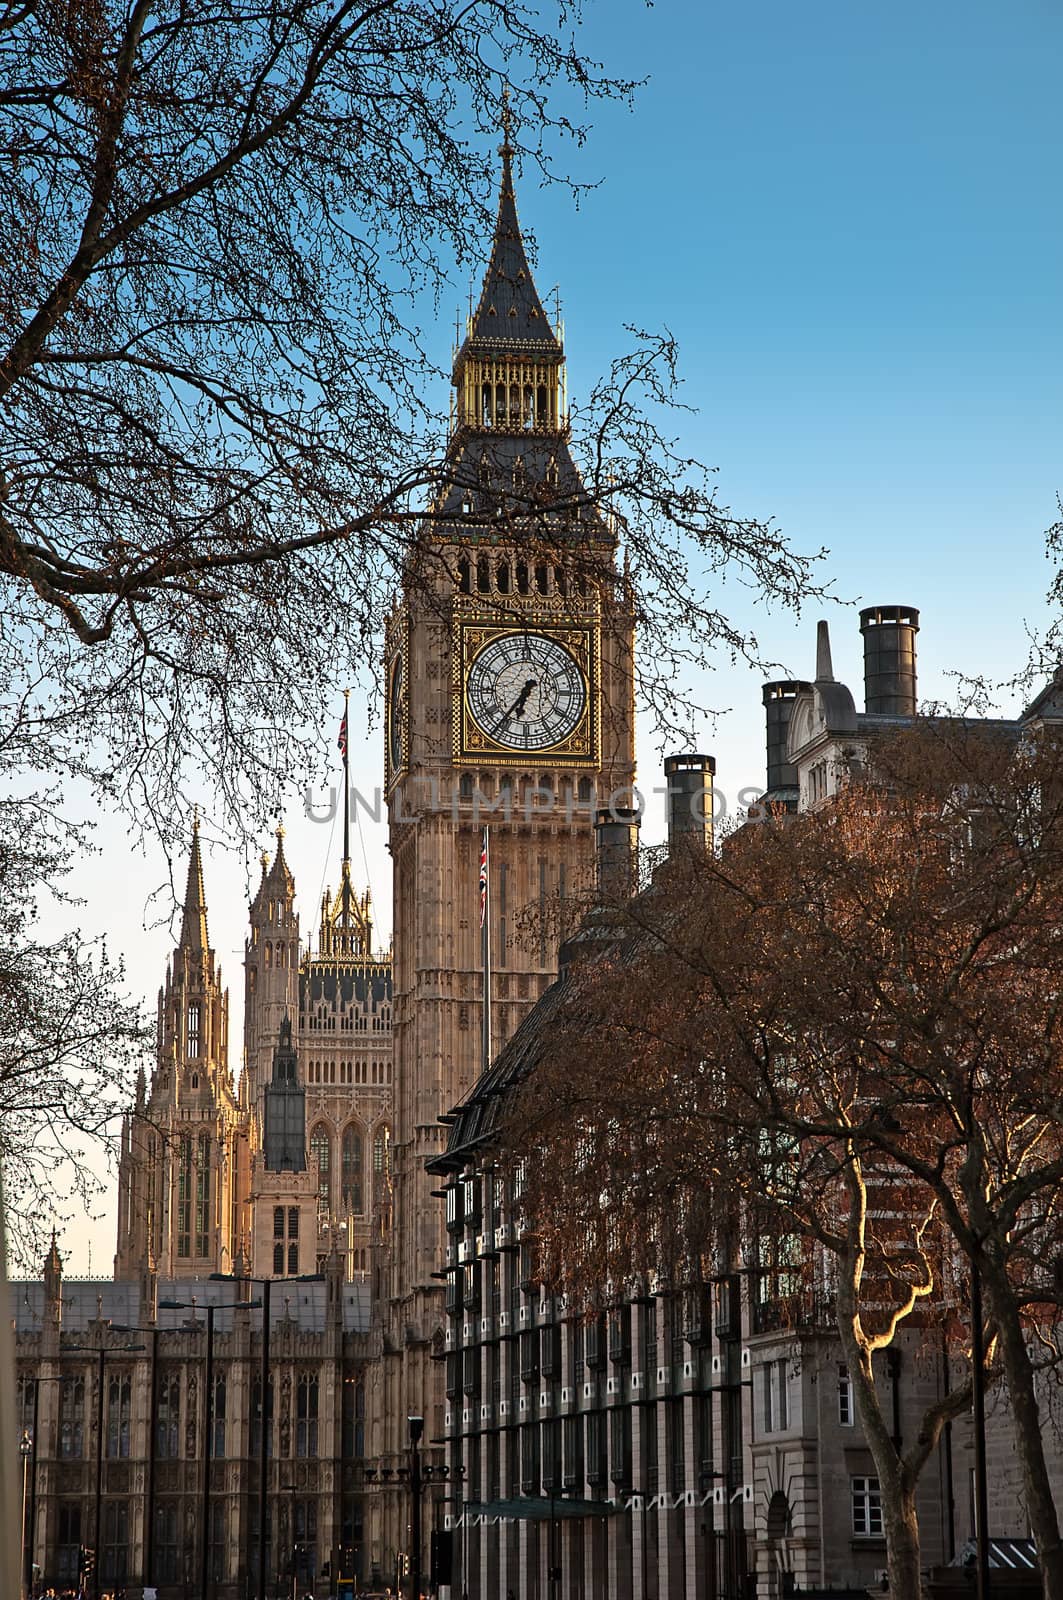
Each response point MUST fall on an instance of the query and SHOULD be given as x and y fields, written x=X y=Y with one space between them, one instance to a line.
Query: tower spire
x=510 y=311
x=194 y=916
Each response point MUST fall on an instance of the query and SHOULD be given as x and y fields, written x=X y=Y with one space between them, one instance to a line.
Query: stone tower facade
x=198 y=1189
x=510 y=703
x=184 y=1145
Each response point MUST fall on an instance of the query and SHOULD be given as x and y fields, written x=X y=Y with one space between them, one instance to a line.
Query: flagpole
x=346 y=782
x=485 y=936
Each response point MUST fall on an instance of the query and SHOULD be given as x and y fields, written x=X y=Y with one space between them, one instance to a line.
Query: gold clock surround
x=581 y=638
x=397 y=655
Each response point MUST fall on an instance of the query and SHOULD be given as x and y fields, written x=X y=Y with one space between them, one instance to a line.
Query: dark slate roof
x=366 y=984
x=510 y=311
x=515 y=477
x=477 y=1118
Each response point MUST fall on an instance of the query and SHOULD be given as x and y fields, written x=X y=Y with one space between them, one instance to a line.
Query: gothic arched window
x=351 y=1168
x=306 y=1415
x=321 y=1153
x=278 y=1261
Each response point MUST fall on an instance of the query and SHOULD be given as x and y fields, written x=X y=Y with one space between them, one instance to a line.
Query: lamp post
x=25 y=1448
x=208 y=1376
x=416 y=1427
x=263 y=1502
x=97 y=1526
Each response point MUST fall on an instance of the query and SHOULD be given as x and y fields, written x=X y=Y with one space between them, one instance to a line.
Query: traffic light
x=441 y=1557
x=404 y=1565
x=86 y=1561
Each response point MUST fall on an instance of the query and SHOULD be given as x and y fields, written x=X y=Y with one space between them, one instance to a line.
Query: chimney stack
x=617 y=840
x=779 y=699
x=688 y=786
x=889 y=659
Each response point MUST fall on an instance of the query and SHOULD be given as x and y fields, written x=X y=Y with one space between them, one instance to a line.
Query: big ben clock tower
x=510 y=702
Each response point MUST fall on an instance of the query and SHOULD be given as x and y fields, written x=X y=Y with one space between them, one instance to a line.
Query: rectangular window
x=184 y=1197
x=217 y=1554
x=72 y=1419
x=114 y=1557
x=166 y=1547
x=572 y=1440
x=306 y=1416
x=218 y=1441
x=26 y=1391
x=529 y=1458
x=203 y=1197
x=119 y=1391
x=193 y=1030
x=775 y=1384
x=278 y=1222
x=867 y=1508
x=168 y=1417
x=256 y=1419
x=845 y=1396
x=293 y=1222
x=305 y=1541
x=69 y=1542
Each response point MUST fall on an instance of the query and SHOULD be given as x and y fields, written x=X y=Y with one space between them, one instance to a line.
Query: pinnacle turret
x=194 y=917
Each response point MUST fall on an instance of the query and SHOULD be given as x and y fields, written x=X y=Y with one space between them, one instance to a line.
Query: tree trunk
x=901 y=1522
x=1022 y=1398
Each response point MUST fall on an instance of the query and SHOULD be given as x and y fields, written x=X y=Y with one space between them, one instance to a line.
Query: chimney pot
x=617 y=838
x=688 y=785
x=889 y=660
x=779 y=700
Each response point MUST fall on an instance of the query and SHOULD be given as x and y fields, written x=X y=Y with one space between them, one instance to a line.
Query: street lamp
x=208 y=1377
x=25 y=1448
x=264 y=1284
x=102 y=1353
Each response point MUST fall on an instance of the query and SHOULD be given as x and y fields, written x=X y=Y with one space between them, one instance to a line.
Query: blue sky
x=849 y=216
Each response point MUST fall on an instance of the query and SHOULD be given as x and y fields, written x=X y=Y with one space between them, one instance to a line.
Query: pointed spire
x=824 y=668
x=194 y=919
x=510 y=310
x=280 y=872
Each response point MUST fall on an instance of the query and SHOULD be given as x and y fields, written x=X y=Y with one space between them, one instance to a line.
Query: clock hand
x=516 y=708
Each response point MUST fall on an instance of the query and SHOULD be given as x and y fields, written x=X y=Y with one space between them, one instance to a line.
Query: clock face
x=526 y=692
x=395 y=715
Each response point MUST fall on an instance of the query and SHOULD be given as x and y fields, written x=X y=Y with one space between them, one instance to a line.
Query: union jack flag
x=342 y=740
x=483 y=880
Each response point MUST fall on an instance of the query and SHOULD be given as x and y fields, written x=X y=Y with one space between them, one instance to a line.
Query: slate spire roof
x=194 y=916
x=510 y=310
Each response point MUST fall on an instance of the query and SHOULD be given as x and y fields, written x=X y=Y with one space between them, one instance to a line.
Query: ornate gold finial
x=506 y=149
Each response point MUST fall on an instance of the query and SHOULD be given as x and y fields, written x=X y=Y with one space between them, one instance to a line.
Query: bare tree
x=68 y=1039
x=223 y=225
x=847 y=1025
